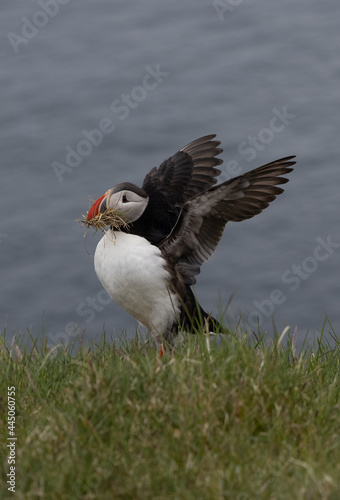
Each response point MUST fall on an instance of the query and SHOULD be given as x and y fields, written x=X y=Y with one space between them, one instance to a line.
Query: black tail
x=195 y=318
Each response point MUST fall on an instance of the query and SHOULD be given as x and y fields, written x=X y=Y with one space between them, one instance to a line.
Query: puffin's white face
x=126 y=202
x=130 y=203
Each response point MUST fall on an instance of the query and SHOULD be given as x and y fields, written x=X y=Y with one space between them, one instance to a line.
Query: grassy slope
x=236 y=422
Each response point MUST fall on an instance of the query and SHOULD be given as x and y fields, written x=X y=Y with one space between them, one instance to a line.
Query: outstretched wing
x=202 y=220
x=186 y=173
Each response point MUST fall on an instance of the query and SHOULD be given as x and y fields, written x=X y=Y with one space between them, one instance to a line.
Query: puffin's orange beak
x=97 y=207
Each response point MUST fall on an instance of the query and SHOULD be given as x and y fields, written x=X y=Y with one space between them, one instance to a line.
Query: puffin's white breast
x=133 y=273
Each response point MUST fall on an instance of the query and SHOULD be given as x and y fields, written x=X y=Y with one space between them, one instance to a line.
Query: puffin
x=174 y=223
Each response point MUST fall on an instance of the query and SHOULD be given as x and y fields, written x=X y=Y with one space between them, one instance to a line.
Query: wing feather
x=186 y=173
x=182 y=176
x=202 y=220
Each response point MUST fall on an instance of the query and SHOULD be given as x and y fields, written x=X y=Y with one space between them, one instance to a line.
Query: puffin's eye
x=124 y=199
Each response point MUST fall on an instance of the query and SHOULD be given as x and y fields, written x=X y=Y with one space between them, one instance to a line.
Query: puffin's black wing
x=186 y=173
x=179 y=178
x=203 y=218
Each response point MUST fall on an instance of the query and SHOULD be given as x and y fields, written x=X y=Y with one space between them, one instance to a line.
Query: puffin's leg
x=168 y=341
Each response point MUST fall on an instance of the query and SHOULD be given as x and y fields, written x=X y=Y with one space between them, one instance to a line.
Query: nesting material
x=109 y=218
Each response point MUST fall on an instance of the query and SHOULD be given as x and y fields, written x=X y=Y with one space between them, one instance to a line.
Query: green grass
x=242 y=420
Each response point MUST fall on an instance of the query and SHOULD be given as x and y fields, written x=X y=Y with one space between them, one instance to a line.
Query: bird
x=174 y=223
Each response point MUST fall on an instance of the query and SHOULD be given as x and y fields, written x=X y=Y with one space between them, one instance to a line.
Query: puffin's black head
x=126 y=198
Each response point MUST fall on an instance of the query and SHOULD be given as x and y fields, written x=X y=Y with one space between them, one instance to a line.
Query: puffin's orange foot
x=161 y=351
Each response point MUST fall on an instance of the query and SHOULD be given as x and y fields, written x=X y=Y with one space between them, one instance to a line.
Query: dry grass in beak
x=109 y=218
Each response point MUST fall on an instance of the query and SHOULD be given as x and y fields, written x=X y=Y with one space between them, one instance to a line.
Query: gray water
x=155 y=75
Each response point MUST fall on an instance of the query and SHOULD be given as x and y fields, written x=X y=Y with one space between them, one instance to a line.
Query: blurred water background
x=153 y=76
